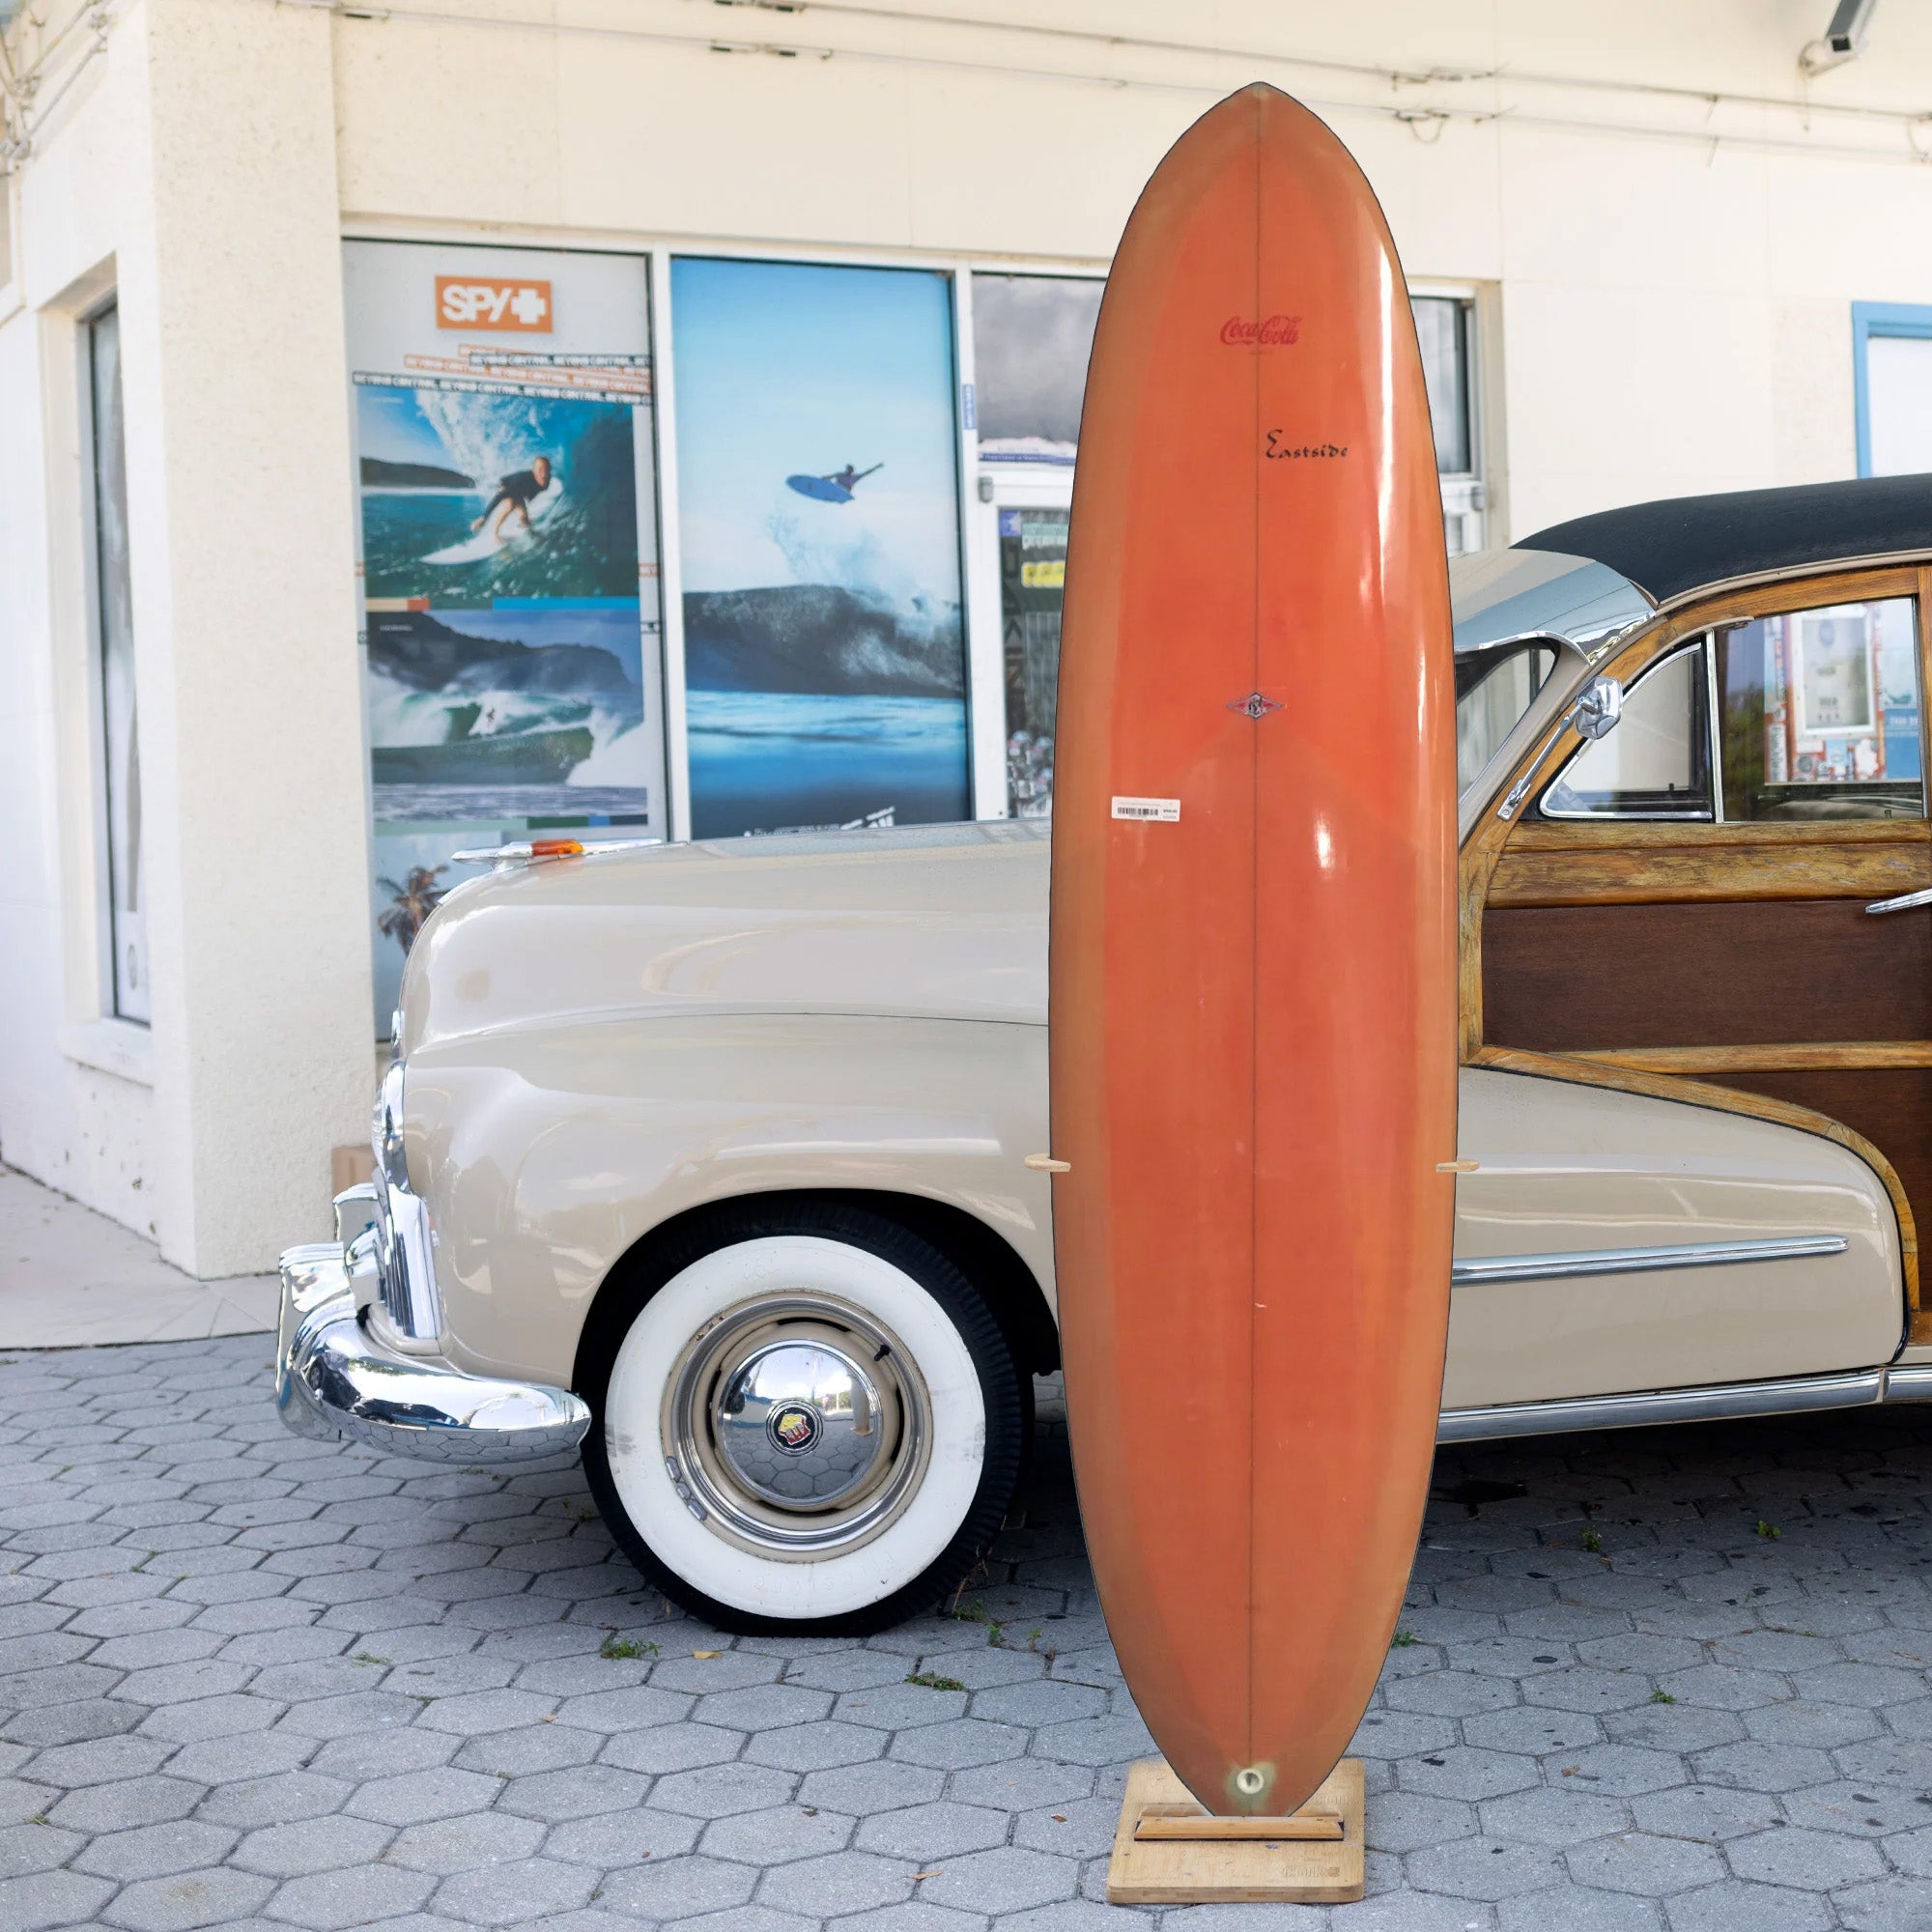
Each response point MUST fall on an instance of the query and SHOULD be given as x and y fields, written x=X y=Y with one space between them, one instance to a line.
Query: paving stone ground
x=1674 y=1681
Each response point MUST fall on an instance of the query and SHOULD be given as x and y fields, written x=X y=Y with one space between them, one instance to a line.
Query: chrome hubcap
x=796 y=1424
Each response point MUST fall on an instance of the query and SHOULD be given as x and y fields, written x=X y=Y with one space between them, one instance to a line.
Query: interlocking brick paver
x=1008 y=1879
x=312 y=1845
x=579 y=1792
x=1739 y=1906
x=717 y=1791
x=679 y=1888
x=775 y=1836
x=1707 y=1812
x=419 y=1795
x=153 y=1851
x=351 y=1895
x=928 y=1833
x=1654 y=1867
x=356 y=1688
x=52 y=1898
x=186 y=1900
x=515 y=1893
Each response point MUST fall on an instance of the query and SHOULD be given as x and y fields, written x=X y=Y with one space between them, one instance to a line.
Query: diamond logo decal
x=1254 y=705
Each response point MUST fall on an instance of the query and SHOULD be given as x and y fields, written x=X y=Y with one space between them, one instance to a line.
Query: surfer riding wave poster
x=511 y=626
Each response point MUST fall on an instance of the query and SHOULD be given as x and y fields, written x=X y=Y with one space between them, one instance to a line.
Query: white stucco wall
x=196 y=174
x=1669 y=312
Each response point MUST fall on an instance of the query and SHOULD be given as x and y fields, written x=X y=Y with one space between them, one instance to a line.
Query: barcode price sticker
x=1157 y=811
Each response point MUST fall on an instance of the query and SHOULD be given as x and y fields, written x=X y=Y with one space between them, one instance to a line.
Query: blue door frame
x=1869 y=319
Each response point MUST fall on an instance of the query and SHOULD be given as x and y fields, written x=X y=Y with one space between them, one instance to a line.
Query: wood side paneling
x=1566 y=978
x=1890 y=1107
x=1797 y=1056
x=1649 y=874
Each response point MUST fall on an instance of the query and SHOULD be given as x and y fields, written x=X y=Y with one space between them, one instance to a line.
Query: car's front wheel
x=807 y=1418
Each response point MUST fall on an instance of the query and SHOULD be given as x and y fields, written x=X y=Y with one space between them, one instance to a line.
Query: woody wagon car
x=712 y=1159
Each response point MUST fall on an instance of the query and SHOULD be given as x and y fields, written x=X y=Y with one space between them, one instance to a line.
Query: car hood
x=945 y=922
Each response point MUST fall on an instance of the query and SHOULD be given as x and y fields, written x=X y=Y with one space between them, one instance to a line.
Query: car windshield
x=1494 y=688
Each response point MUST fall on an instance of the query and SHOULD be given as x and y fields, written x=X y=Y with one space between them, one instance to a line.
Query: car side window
x=1494 y=688
x=1806 y=714
x=1820 y=712
x=1657 y=762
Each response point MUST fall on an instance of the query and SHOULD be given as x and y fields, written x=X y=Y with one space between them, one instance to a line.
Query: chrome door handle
x=1903 y=903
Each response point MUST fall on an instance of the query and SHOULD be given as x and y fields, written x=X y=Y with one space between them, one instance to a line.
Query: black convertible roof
x=1682 y=543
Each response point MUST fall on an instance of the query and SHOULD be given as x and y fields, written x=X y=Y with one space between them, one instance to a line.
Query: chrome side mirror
x=1595 y=713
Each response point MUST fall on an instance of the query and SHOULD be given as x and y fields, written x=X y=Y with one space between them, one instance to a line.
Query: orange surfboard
x=1253 y=998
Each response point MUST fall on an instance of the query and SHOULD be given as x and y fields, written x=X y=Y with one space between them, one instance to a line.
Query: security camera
x=1843 y=40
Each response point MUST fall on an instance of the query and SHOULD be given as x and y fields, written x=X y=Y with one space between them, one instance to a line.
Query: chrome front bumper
x=334 y=1379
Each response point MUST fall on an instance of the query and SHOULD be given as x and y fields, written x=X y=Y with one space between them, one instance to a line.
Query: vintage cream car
x=715 y=1157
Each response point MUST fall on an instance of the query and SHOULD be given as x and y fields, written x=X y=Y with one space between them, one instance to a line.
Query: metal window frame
x=106 y=999
x=1696 y=640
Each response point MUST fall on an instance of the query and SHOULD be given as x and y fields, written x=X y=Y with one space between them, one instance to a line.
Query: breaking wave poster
x=819 y=537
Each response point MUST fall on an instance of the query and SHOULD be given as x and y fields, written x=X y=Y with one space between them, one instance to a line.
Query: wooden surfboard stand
x=1168 y=1851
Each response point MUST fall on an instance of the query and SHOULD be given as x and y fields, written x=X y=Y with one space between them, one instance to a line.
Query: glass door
x=1019 y=560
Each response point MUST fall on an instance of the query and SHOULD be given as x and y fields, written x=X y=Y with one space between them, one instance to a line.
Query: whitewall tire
x=806 y=1417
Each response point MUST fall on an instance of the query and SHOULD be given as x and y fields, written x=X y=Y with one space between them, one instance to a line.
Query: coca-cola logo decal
x=1271 y=332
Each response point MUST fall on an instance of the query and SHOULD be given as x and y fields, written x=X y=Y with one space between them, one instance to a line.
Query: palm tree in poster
x=410 y=903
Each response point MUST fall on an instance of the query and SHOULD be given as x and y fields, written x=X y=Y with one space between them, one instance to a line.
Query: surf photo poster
x=505 y=460
x=818 y=499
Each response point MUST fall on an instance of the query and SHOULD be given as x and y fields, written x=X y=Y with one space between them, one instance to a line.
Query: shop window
x=1032 y=575
x=507 y=471
x=1031 y=337
x=119 y=724
x=819 y=531
x=1445 y=326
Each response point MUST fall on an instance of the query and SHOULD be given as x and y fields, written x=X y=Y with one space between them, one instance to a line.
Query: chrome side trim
x=1725 y=1401
x=1640 y=1261
x=1912 y=1382
x=1904 y=902
x=334 y=1379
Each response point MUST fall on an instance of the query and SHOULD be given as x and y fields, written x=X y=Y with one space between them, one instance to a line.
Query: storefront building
x=427 y=427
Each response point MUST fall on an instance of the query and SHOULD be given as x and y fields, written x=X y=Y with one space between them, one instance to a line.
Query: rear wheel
x=807 y=1418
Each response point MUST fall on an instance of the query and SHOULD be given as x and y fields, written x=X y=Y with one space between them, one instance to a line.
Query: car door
x=1689 y=928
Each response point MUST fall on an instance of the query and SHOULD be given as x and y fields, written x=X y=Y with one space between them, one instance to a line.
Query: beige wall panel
x=1645 y=219
x=1814 y=427
x=1840 y=228
x=447 y=124
x=1028 y=165
x=690 y=142
x=1736 y=44
x=1616 y=400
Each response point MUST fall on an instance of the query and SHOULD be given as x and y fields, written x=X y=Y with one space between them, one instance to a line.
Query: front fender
x=546 y=1154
